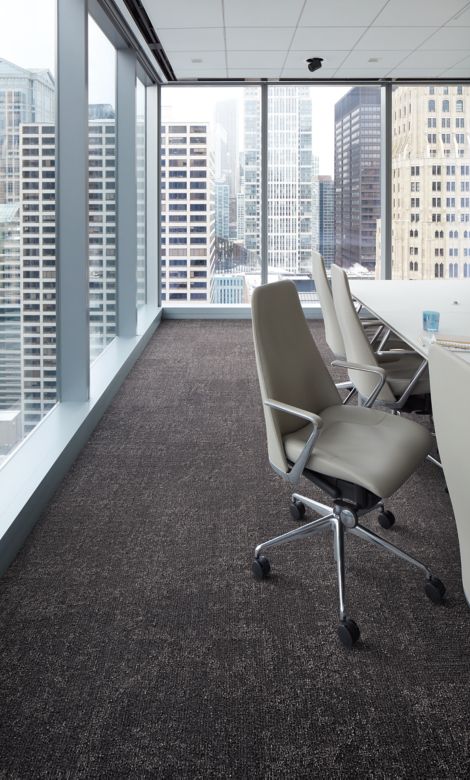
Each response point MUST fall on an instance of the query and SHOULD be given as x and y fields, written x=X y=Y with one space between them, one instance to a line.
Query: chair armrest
x=372 y=370
x=296 y=471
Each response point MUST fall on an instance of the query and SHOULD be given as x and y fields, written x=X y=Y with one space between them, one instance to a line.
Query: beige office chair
x=450 y=378
x=406 y=386
x=357 y=456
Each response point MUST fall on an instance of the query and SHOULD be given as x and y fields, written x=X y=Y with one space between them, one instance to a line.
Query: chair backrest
x=290 y=367
x=450 y=391
x=333 y=335
x=356 y=343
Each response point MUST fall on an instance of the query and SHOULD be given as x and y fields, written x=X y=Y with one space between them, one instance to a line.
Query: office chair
x=450 y=378
x=357 y=456
x=406 y=386
x=378 y=335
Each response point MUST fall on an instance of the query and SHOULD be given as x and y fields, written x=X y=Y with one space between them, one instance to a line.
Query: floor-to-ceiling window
x=210 y=194
x=27 y=218
x=140 y=125
x=431 y=181
x=101 y=188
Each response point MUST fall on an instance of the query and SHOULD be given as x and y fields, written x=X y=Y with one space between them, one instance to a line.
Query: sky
x=185 y=104
x=32 y=45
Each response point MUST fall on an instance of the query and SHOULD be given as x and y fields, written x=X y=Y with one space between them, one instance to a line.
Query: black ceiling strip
x=140 y=17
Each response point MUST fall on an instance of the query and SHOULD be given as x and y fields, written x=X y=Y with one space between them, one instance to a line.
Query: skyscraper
x=327 y=219
x=291 y=175
x=431 y=182
x=187 y=198
x=357 y=176
x=25 y=96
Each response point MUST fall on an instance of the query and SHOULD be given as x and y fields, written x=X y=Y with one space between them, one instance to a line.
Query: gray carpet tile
x=135 y=643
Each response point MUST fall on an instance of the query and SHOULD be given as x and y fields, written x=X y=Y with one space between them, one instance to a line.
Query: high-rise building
x=222 y=191
x=357 y=176
x=38 y=261
x=187 y=198
x=291 y=172
x=431 y=182
x=25 y=96
x=327 y=219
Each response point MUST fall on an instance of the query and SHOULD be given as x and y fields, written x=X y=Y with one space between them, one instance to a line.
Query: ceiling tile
x=360 y=13
x=243 y=38
x=202 y=39
x=209 y=59
x=394 y=38
x=331 y=59
x=184 y=13
x=433 y=59
x=209 y=73
x=414 y=73
x=326 y=37
x=361 y=73
x=247 y=13
x=302 y=73
x=381 y=60
x=418 y=12
x=449 y=38
x=255 y=59
x=461 y=19
x=254 y=73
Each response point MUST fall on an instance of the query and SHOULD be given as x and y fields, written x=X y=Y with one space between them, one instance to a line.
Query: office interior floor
x=135 y=643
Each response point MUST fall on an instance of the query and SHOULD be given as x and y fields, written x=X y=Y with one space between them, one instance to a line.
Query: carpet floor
x=136 y=644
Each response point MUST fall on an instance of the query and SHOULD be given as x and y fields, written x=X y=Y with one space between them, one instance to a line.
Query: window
x=27 y=198
x=218 y=230
x=431 y=105
x=102 y=200
x=140 y=130
x=445 y=105
x=459 y=106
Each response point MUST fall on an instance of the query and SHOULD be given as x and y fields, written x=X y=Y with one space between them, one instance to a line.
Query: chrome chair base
x=342 y=518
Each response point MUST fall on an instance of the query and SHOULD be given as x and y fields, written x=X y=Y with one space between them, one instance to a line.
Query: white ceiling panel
x=203 y=39
x=203 y=59
x=184 y=13
x=244 y=38
x=269 y=38
x=208 y=73
x=255 y=13
x=415 y=12
x=326 y=38
x=461 y=19
x=303 y=73
x=374 y=60
x=255 y=59
x=449 y=38
x=360 y=13
x=394 y=38
x=253 y=73
x=331 y=59
x=433 y=59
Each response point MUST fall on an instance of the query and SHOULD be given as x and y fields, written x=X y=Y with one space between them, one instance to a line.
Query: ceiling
x=272 y=38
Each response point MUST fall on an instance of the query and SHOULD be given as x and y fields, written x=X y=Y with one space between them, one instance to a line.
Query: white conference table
x=400 y=306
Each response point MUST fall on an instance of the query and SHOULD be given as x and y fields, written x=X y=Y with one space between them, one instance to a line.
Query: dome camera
x=314 y=63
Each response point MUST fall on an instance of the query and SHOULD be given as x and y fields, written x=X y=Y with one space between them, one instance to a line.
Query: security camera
x=314 y=63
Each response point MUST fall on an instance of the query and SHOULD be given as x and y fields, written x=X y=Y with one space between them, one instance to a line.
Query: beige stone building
x=430 y=183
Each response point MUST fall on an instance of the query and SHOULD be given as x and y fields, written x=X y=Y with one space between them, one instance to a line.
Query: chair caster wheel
x=435 y=589
x=386 y=518
x=297 y=510
x=348 y=632
x=260 y=567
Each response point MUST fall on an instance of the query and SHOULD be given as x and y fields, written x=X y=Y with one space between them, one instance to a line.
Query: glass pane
x=27 y=218
x=210 y=195
x=102 y=188
x=141 y=183
x=323 y=181
x=431 y=182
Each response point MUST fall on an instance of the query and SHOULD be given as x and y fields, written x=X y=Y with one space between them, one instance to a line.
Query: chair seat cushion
x=368 y=447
